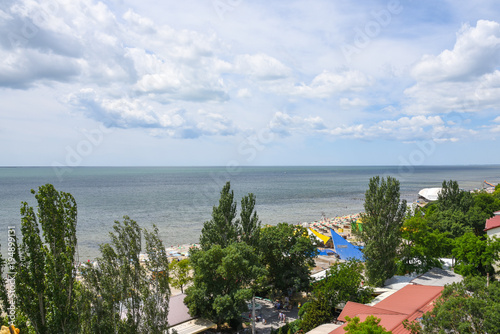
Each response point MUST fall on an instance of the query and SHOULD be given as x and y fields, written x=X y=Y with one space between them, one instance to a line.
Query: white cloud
x=261 y=67
x=286 y=125
x=137 y=113
x=346 y=103
x=405 y=129
x=476 y=52
x=328 y=83
x=244 y=93
x=464 y=79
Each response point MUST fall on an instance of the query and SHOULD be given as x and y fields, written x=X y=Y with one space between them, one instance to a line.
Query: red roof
x=492 y=223
x=411 y=302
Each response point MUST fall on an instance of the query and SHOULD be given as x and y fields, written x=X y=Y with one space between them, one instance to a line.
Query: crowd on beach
x=341 y=224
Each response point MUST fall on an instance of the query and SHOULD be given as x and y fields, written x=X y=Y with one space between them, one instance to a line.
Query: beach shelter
x=344 y=248
x=323 y=238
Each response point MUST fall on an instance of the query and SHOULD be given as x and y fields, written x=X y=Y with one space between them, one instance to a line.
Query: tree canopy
x=343 y=283
x=222 y=282
x=382 y=222
x=125 y=295
x=288 y=255
x=371 y=325
x=45 y=280
x=471 y=306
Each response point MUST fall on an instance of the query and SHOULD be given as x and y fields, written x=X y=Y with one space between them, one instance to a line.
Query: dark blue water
x=179 y=199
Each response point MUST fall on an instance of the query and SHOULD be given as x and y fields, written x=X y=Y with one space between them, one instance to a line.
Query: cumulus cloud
x=286 y=125
x=137 y=113
x=406 y=129
x=476 y=52
x=346 y=103
x=328 y=83
x=261 y=67
x=464 y=79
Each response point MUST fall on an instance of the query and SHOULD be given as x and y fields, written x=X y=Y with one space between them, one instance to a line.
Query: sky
x=238 y=82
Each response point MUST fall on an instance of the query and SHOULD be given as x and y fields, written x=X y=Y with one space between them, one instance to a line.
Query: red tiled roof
x=410 y=298
x=352 y=309
x=492 y=223
x=411 y=302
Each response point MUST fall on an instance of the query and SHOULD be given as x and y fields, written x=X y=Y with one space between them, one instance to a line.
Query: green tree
x=222 y=229
x=382 y=222
x=343 y=283
x=458 y=212
x=250 y=225
x=471 y=306
x=475 y=255
x=371 y=325
x=180 y=274
x=422 y=247
x=4 y=300
x=126 y=296
x=487 y=203
x=288 y=255
x=155 y=289
x=45 y=277
x=318 y=312
x=452 y=197
x=222 y=282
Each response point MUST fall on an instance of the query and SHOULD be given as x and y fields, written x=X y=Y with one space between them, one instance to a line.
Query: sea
x=178 y=200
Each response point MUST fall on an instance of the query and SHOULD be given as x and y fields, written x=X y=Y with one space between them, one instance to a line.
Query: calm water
x=179 y=199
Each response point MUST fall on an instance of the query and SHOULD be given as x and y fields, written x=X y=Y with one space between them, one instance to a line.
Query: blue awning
x=344 y=248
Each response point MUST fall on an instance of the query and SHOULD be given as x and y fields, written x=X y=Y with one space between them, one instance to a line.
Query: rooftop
x=492 y=223
x=411 y=302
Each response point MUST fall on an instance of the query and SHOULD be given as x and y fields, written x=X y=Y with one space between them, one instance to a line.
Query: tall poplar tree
x=45 y=275
x=382 y=221
x=127 y=296
x=222 y=229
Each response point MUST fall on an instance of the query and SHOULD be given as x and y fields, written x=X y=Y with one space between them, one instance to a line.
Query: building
x=413 y=297
x=427 y=195
x=492 y=229
x=409 y=303
x=179 y=319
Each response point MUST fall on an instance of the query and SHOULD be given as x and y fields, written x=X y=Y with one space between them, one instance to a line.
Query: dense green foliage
x=453 y=226
x=4 y=298
x=288 y=328
x=222 y=229
x=475 y=254
x=458 y=212
x=471 y=306
x=126 y=296
x=369 y=326
x=422 y=246
x=179 y=274
x=222 y=282
x=239 y=258
x=45 y=280
x=343 y=283
x=288 y=255
x=382 y=222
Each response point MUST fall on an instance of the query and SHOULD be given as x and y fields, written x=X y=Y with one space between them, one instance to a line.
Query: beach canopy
x=320 y=236
x=344 y=248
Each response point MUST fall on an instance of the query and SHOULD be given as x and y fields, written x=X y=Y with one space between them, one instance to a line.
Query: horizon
x=224 y=82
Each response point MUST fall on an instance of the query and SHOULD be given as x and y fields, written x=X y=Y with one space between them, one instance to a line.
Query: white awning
x=193 y=326
x=430 y=194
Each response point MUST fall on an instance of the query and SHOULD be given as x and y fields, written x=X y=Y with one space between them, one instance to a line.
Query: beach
x=178 y=200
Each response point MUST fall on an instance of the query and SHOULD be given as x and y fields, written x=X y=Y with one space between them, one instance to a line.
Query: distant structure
x=492 y=229
x=401 y=301
x=428 y=195
x=344 y=249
